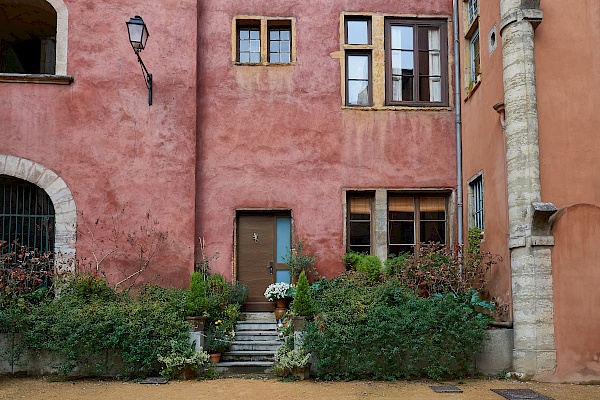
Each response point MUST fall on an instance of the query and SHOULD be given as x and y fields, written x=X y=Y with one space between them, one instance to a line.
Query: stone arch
x=65 y=211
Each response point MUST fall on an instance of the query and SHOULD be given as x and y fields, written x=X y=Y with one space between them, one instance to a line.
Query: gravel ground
x=271 y=389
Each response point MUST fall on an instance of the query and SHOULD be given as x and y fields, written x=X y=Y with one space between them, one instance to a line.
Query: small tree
x=302 y=304
x=197 y=301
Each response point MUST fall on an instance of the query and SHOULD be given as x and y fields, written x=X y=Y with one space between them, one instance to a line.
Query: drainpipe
x=457 y=104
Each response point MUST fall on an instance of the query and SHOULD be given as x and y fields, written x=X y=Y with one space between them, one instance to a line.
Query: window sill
x=472 y=28
x=473 y=88
x=397 y=108
x=265 y=64
x=37 y=78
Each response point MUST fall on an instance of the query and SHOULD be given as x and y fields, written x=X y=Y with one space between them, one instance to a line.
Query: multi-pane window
x=476 y=202
x=415 y=220
x=249 y=45
x=280 y=45
x=416 y=62
x=264 y=40
x=360 y=210
x=358 y=61
x=26 y=215
x=475 y=54
x=472 y=10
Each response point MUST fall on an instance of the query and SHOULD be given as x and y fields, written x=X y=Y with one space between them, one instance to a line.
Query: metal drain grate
x=446 y=389
x=520 y=394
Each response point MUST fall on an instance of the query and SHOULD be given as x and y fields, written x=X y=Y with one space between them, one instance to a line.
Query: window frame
x=476 y=202
x=264 y=25
x=415 y=23
x=367 y=19
x=475 y=68
x=416 y=197
x=368 y=53
x=362 y=195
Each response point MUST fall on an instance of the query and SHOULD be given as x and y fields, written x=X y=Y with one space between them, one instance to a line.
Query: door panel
x=255 y=248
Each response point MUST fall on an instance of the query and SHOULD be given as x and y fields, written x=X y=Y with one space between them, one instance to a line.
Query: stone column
x=530 y=238
x=380 y=230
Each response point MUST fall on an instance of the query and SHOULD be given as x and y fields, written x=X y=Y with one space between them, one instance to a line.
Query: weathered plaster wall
x=567 y=61
x=101 y=137
x=484 y=148
x=576 y=271
x=277 y=136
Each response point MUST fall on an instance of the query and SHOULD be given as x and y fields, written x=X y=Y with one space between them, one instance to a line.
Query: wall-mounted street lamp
x=138 y=35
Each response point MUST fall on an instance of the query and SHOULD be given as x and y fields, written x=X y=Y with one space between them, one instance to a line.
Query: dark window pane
x=361 y=249
x=433 y=215
x=402 y=232
x=397 y=250
x=360 y=233
x=433 y=231
x=401 y=215
x=358 y=31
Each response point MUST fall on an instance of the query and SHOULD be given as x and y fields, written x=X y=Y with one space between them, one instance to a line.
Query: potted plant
x=292 y=362
x=299 y=259
x=197 y=304
x=278 y=292
x=302 y=304
x=218 y=340
x=182 y=361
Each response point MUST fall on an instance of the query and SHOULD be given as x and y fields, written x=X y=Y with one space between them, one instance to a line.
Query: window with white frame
x=476 y=202
x=472 y=44
x=472 y=10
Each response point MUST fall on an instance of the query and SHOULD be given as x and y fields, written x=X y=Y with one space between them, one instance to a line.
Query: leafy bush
x=386 y=332
x=91 y=326
x=299 y=259
x=302 y=304
x=370 y=266
x=197 y=302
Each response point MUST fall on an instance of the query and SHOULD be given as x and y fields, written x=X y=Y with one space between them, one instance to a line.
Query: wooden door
x=260 y=243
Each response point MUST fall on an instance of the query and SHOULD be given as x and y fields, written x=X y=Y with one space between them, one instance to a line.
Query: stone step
x=256 y=335
x=257 y=356
x=255 y=326
x=256 y=345
x=245 y=367
x=260 y=316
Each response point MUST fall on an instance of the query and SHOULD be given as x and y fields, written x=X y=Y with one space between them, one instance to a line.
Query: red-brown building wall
x=278 y=137
x=100 y=136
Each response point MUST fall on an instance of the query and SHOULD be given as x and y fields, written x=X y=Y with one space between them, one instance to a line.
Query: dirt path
x=247 y=389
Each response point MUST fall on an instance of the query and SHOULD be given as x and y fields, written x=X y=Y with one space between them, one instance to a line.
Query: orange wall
x=483 y=147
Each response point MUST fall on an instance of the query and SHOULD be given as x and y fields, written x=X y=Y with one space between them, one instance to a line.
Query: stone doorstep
x=258 y=316
x=257 y=325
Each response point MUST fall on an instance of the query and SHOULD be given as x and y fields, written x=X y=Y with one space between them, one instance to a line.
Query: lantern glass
x=138 y=33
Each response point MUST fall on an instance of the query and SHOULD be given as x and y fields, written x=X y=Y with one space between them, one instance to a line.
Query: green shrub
x=370 y=266
x=302 y=304
x=385 y=332
x=91 y=326
x=197 y=302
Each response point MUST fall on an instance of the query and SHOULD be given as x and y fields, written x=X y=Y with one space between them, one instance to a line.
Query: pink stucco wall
x=99 y=134
x=278 y=137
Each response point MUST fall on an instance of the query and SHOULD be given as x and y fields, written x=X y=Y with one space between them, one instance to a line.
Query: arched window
x=26 y=215
x=33 y=37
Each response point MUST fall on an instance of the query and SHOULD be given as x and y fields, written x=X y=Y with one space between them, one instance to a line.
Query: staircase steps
x=253 y=350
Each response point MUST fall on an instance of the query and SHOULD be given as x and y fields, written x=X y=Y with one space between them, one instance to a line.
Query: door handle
x=271 y=267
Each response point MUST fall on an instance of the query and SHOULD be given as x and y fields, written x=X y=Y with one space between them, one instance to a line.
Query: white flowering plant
x=276 y=291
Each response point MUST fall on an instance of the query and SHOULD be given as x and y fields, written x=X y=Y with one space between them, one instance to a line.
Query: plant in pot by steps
x=302 y=307
x=197 y=303
x=294 y=362
x=218 y=340
x=299 y=259
x=182 y=362
x=278 y=292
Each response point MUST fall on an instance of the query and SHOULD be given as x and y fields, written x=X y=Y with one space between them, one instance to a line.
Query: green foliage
x=474 y=240
x=394 y=265
x=351 y=259
x=300 y=258
x=197 y=302
x=287 y=359
x=370 y=266
x=90 y=326
x=180 y=357
x=385 y=332
x=302 y=304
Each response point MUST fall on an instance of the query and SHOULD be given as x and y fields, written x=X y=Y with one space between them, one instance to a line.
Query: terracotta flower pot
x=279 y=313
x=215 y=357
x=281 y=303
x=299 y=321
